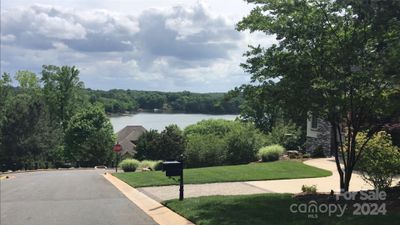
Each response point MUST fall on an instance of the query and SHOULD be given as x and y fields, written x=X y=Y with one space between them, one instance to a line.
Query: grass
x=263 y=209
x=249 y=172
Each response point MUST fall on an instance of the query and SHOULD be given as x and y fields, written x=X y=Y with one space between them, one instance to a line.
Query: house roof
x=127 y=135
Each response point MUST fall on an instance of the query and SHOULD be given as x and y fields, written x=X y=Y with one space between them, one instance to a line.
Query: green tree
x=171 y=143
x=381 y=160
x=167 y=145
x=147 y=146
x=27 y=135
x=27 y=80
x=89 y=137
x=61 y=88
x=257 y=106
x=336 y=59
x=288 y=135
x=5 y=86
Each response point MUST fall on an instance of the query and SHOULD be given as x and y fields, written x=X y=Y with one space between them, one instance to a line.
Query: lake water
x=158 y=121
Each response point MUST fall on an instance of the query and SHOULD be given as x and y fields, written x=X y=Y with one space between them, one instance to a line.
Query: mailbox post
x=175 y=168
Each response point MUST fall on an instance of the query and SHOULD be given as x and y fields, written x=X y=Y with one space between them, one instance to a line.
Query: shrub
x=380 y=161
x=288 y=135
x=205 y=150
x=129 y=165
x=172 y=144
x=309 y=189
x=219 y=127
x=242 y=144
x=270 y=153
x=153 y=165
x=221 y=142
x=148 y=145
x=318 y=152
x=167 y=145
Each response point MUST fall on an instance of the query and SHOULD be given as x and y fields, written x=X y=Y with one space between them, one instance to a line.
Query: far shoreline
x=172 y=113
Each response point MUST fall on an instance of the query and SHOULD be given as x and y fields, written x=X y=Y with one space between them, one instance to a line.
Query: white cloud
x=7 y=38
x=184 y=46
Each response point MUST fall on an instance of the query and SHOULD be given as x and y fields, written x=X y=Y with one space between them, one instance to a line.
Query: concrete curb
x=160 y=214
x=6 y=177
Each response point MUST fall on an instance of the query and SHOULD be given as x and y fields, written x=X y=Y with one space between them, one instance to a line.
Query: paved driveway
x=78 y=197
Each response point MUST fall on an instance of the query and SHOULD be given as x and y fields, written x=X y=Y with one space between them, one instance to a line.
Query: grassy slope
x=263 y=209
x=254 y=171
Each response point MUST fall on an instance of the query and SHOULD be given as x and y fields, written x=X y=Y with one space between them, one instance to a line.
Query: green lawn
x=263 y=209
x=254 y=171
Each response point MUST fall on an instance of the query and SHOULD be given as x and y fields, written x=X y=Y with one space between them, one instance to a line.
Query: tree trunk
x=342 y=174
x=347 y=178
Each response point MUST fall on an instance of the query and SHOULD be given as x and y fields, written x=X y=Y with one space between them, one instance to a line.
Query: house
x=127 y=136
x=319 y=135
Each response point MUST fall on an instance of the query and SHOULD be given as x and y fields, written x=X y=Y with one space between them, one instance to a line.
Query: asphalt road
x=79 y=197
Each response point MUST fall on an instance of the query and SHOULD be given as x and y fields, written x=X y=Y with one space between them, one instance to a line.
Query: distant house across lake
x=127 y=136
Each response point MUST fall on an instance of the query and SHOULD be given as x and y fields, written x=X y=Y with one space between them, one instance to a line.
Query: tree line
x=50 y=122
x=128 y=101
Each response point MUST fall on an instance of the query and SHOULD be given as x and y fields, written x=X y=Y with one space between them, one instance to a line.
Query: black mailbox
x=172 y=168
x=175 y=168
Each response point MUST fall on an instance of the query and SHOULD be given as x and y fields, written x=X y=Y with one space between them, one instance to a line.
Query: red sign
x=117 y=148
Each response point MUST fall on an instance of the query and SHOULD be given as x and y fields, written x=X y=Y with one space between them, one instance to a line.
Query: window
x=314 y=122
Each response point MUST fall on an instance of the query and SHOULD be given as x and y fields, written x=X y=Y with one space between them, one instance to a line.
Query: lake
x=158 y=121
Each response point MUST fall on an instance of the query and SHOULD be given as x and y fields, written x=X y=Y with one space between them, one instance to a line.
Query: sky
x=161 y=45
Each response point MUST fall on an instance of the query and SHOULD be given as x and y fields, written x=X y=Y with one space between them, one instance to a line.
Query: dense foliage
x=380 y=161
x=52 y=121
x=147 y=146
x=204 y=150
x=221 y=142
x=213 y=143
x=123 y=101
x=42 y=123
x=288 y=135
x=338 y=60
x=167 y=145
x=89 y=137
